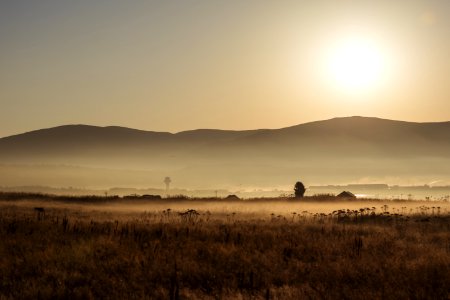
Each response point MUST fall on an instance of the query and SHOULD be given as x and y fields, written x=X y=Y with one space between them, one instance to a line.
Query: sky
x=180 y=65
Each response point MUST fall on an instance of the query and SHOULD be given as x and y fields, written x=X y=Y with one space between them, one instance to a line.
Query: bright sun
x=355 y=64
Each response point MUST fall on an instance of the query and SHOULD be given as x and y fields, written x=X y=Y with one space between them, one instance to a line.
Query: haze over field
x=341 y=150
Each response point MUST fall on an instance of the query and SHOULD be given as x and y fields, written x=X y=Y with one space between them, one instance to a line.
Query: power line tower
x=167 y=181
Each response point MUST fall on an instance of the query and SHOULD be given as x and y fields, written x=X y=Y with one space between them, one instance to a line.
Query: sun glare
x=355 y=64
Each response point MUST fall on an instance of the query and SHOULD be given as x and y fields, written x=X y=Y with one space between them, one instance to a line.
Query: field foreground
x=94 y=252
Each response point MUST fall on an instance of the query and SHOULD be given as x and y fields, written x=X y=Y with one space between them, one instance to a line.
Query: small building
x=346 y=194
x=232 y=198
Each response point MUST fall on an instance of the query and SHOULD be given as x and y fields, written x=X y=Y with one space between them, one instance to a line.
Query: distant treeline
x=11 y=196
x=41 y=196
x=16 y=196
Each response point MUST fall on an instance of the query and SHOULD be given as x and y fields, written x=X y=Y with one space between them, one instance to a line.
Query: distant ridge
x=353 y=120
x=339 y=147
x=355 y=131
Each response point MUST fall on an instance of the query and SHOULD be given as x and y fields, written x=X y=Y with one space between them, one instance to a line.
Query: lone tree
x=299 y=189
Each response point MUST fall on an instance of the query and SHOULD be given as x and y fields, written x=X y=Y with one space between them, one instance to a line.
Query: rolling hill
x=336 y=150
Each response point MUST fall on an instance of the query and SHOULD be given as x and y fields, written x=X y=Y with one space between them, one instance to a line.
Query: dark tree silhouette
x=299 y=189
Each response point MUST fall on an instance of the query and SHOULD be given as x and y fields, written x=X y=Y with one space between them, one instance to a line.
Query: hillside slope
x=344 y=148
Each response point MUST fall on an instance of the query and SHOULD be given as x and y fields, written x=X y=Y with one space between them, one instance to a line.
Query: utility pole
x=167 y=181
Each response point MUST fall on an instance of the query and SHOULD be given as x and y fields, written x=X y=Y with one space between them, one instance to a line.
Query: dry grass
x=73 y=252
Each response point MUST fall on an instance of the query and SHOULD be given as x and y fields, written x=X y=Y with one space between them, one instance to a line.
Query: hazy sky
x=178 y=65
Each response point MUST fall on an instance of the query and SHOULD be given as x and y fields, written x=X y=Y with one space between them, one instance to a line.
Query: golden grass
x=77 y=252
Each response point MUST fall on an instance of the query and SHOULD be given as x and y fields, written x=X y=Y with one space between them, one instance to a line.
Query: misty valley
x=339 y=151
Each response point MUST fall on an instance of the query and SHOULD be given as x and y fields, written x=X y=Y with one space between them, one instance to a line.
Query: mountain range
x=340 y=150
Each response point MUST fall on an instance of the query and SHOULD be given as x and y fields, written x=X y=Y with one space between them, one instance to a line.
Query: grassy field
x=245 y=250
